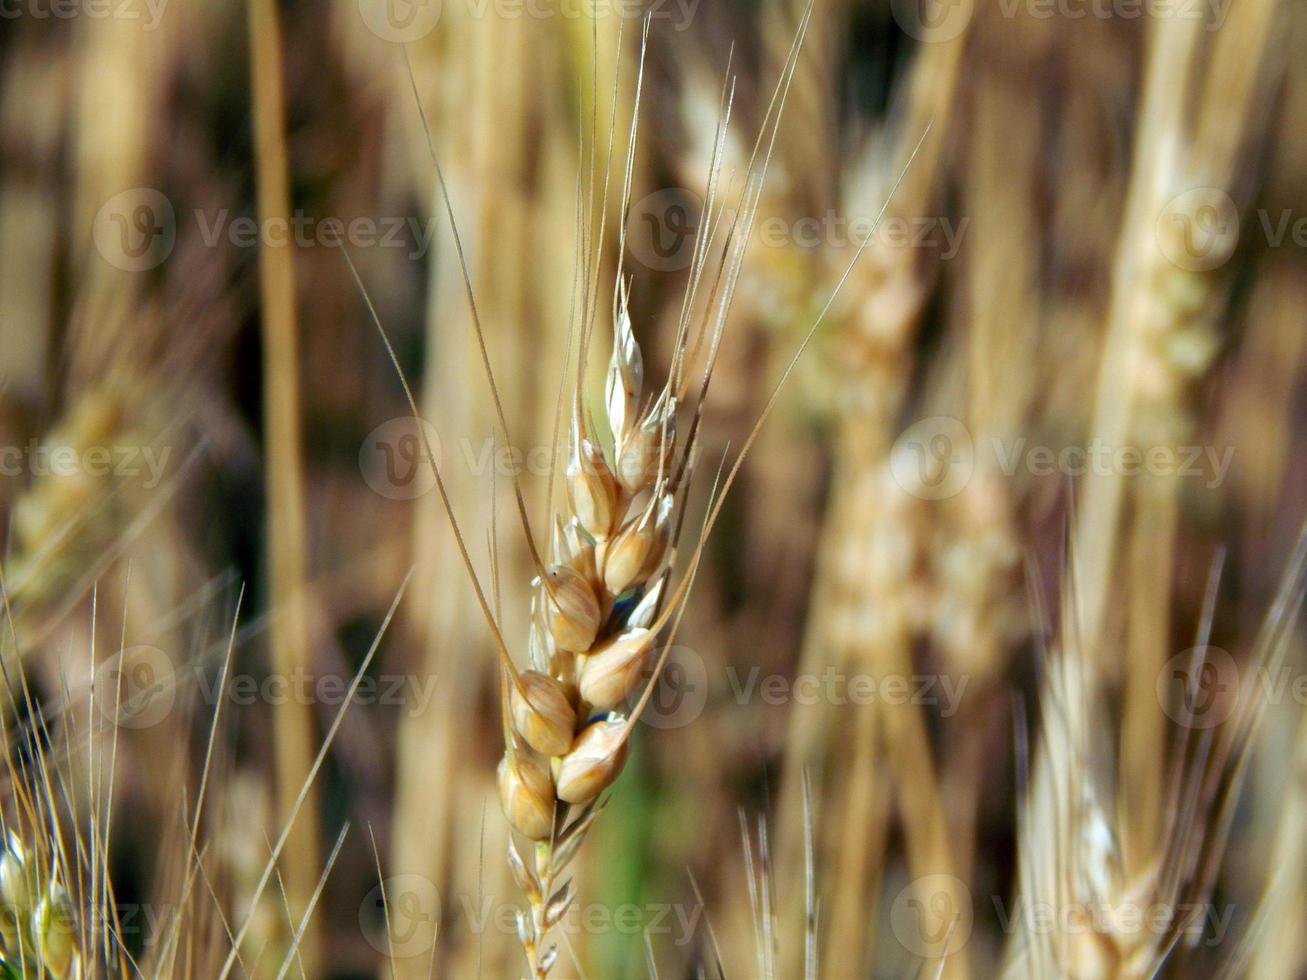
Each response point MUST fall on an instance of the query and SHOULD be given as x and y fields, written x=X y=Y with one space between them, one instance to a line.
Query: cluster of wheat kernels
x=37 y=930
x=593 y=628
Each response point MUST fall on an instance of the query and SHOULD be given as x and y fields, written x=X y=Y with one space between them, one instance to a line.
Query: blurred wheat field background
x=992 y=662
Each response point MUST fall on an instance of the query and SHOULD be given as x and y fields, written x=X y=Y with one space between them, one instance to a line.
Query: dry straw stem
x=1272 y=353
x=862 y=594
x=287 y=535
x=1280 y=949
x=1280 y=945
x=1159 y=337
x=976 y=619
x=1173 y=341
x=114 y=129
x=1171 y=44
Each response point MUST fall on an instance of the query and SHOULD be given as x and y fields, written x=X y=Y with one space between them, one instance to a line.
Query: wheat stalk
x=287 y=529
x=595 y=620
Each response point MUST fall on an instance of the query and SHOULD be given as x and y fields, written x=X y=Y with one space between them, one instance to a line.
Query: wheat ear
x=605 y=595
x=595 y=615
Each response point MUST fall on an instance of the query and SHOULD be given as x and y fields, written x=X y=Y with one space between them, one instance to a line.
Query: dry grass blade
x=287 y=531
x=292 y=954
